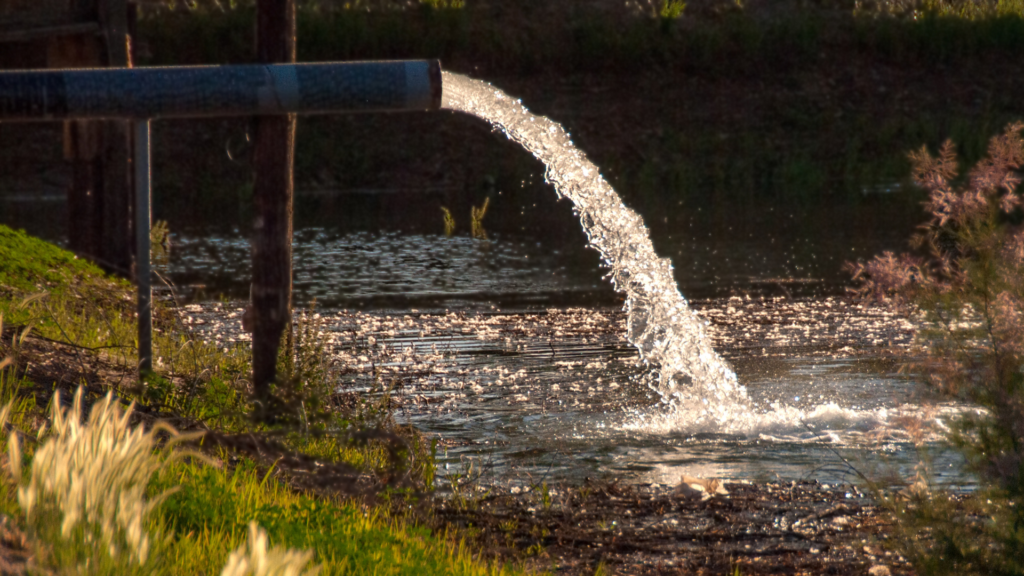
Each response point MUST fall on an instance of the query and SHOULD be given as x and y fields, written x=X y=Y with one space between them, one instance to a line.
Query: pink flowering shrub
x=966 y=284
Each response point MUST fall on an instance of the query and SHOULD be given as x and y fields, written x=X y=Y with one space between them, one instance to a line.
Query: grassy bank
x=719 y=103
x=517 y=38
x=771 y=103
x=191 y=512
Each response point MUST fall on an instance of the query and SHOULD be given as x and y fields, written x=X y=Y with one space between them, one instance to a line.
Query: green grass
x=63 y=297
x=54 y=294
x=213 y=507
x=66 y=299
x=193 y=514
x=28 y=265
x=568 y=41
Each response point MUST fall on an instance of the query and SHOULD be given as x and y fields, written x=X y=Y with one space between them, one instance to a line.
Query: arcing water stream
x=669 y=336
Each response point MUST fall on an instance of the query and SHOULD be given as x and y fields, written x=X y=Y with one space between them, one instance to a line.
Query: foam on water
x=670 y=337
x=828 y=422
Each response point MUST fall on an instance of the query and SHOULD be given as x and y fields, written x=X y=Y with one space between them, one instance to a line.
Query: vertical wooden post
x=116 y=249
x=273 y=157
x=100 y=194
x=83 y=141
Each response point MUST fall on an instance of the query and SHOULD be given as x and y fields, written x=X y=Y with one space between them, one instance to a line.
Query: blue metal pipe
x=186 y=91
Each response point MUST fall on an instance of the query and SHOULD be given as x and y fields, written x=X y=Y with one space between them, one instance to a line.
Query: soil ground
x=756 y=528
x=771 y=528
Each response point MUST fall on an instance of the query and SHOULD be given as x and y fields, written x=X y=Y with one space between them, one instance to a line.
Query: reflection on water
x=556 y=392
x=749 y=249
x=396 y=270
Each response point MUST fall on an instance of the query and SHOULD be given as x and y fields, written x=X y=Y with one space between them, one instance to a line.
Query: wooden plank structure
x=83 y=34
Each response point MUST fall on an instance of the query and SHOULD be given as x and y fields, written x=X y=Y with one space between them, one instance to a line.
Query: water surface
x=559 y=394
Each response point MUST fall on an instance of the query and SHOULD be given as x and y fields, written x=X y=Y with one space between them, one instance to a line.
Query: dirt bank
x=771 y=528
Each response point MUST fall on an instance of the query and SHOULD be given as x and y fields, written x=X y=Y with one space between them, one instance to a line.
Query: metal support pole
x=142 y=256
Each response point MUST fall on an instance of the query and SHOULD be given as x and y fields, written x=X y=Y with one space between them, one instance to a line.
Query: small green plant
x=476 y=216
x=461 y=486
x=449 y=222
x=540 y=532
x=305 y=380
x=508 y=528
x=93 y=477
x=545 y=496
x=18 y=407
x=257 y=559
x=443 y=4
x=584 y=493
x=430 y=467
x=671 y=9
x=9 y=352
x=160 y=243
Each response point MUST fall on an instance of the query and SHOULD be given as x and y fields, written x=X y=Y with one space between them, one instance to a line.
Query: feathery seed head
x=95 y=474
x=259 y=561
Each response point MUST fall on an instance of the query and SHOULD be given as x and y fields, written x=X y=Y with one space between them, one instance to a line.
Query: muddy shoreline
x=756 y=528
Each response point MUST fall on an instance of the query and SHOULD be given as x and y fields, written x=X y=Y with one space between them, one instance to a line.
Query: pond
x=512 y=349
x=514 y=354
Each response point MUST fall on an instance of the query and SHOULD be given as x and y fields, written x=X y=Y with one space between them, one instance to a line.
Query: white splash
x=828 y=423
x=670 y=337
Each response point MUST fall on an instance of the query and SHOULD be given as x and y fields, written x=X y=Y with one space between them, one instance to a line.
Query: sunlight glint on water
x=670 y=337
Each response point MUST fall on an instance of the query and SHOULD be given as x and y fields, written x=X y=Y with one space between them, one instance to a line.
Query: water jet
x=670 y=337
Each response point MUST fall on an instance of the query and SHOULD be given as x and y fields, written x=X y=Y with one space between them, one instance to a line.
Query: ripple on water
x=559 y=392
x=362 y=268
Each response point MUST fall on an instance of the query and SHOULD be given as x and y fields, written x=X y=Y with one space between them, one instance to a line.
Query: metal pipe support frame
x=143 y=94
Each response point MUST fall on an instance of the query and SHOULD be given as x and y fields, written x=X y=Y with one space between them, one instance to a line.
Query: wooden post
x=82 y=149
x=100 y=194
x=116 y=246
x=273 y=157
